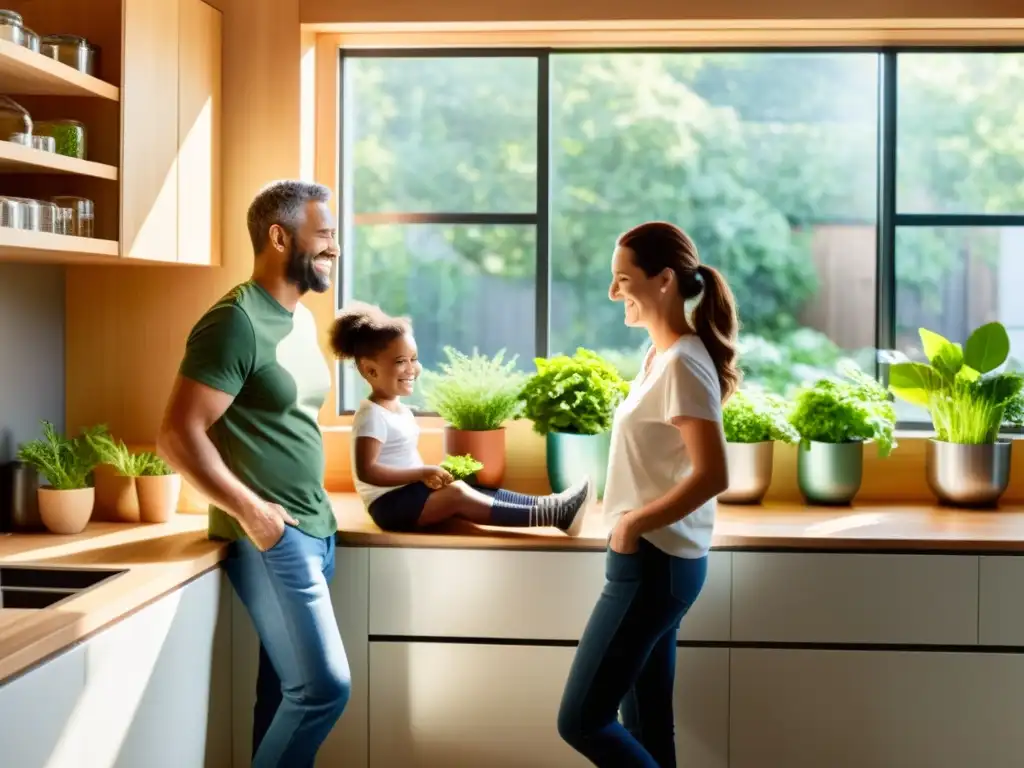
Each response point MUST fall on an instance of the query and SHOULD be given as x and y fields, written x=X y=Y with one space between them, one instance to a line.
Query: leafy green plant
x=474 y=392
x=116 y=454
x=575 y=394
x=754 y=416
x=851 y=409
x=964 y=394
x=66 y=463
x=461 y=467
x=154 y=466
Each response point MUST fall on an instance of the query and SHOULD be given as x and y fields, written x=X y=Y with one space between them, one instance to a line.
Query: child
x=401 y=493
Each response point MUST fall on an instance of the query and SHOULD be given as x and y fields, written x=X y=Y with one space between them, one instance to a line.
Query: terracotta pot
x=158 y=497
x=116 y=497
x=66 y=512
x=487 y=447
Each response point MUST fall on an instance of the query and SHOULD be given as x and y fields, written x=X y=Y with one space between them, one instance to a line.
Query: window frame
x=888 y=218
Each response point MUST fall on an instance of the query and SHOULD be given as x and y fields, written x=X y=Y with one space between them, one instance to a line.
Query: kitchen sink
x=26 y=586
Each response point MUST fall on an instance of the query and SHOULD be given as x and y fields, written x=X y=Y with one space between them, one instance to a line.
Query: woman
x=667 y=465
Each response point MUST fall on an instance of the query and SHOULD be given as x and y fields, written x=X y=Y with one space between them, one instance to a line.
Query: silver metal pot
x=830 y=473
x=750 y=472
x=968 y=475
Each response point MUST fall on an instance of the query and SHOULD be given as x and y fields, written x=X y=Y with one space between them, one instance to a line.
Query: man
x=241 y=425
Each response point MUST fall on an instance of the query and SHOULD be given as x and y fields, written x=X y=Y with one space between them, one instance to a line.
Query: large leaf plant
x=961 y=386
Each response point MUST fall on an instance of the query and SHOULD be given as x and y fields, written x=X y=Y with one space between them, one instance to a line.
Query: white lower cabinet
x=875 y=709
x=149 y=691
x=440 y=705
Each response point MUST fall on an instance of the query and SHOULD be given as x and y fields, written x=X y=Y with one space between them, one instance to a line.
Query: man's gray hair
x=281 y=202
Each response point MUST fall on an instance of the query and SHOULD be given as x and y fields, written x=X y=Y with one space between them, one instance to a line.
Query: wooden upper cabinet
x=199 y=126
x=149 y=131
x=170 y=188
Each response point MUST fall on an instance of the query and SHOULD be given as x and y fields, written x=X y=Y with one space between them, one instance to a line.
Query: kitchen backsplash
x=31 y=352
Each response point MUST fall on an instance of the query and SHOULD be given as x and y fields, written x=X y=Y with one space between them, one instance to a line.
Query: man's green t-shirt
x=269 y=359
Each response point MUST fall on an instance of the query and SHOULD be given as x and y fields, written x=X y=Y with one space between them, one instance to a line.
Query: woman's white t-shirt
x=648 y=456
x=399 y=436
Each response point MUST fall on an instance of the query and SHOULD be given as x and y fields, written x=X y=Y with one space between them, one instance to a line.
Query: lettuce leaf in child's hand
x=461 y=467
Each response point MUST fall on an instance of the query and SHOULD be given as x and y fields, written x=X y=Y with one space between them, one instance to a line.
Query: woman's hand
x=436 y=478
x=625 y=540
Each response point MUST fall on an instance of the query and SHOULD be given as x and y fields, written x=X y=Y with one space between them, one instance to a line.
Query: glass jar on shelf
x=82 y=215
x=11 y=27
x=15 y=121
x=68 y=135
x=77 y=52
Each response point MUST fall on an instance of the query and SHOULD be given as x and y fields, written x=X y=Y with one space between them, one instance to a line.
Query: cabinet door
x=42 y=721
x=199 y=105
x=149 y=131
x=438 y=705
x=875 y=709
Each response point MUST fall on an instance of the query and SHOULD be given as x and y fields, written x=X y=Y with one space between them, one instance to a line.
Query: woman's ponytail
x=715 y=321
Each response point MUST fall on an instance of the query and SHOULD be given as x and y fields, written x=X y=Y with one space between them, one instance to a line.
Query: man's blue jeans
x=626 y=661
x=304 y=680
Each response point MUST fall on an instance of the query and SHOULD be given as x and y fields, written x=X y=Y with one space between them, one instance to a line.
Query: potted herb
x=461 y=467
x=475 y=395
x=116 y=496
x=159 y=488
x=66 y=464
x=753 y=420
x=571 y=401
x=834 y=418
x=966 y=464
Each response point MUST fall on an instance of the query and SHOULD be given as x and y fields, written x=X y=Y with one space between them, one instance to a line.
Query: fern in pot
x=834 y=418
x=475 y=395
x=572 y=401
x=753 y=421
x=116 y=495
x=159 y=489
x=966 y=464
x=66 y=465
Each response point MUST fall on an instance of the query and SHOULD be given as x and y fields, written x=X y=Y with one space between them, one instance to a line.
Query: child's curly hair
x=365 y=330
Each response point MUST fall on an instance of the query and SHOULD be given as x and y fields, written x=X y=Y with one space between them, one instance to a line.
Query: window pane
x=452 y=135
x=767 y=160
x=960 y=148
x=952 y=280
x=462 y=286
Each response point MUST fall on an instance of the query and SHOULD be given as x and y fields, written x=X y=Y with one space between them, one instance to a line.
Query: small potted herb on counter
x=475 y=395
x=462 y=467
x=571 y=401
x=967 y=464
x=66 y=464
x=753 y=420
x=116 y=496
x=159 y=489
x=834 y=418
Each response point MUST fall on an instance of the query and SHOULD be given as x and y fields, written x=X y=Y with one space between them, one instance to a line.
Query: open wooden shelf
x=16 y=158
x=29 y=73
x=42 y=247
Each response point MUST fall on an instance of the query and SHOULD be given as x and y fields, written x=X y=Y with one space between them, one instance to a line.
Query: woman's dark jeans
x=627 y=658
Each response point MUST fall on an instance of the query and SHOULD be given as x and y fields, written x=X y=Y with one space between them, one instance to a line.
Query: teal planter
x=573 y=457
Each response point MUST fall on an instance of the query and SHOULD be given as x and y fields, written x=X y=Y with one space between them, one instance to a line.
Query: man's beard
x=303 y=274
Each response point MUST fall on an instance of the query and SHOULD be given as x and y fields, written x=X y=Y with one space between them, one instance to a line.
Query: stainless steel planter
x=750 y=472
x=830 y=473
x=573 y=457
x=968 y=475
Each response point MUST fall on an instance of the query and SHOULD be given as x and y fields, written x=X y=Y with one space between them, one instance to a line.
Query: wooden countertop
x=160 y=558
x=157 y=559
x=883 y=527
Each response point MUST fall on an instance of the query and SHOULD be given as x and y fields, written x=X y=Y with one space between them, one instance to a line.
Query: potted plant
x=571 y=401
x=475 y=395
x=753 y=420
x=966 y=463
x=66 y=464
x=834 y=418
x=159 y=489
x=116 y=496
x=461 y=467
